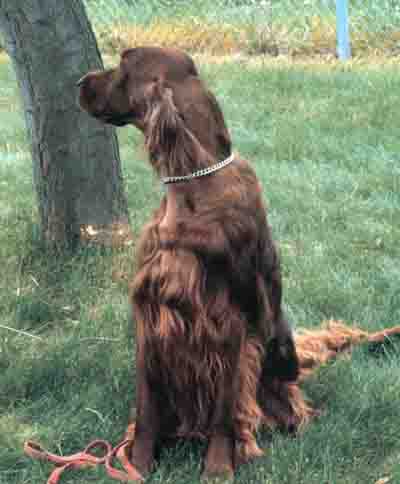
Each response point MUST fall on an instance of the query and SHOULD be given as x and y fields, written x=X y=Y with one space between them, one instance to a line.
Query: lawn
x=295 y=27
x=324 y=139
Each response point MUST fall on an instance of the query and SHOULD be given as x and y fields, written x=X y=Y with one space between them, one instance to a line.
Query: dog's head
x=120 y=96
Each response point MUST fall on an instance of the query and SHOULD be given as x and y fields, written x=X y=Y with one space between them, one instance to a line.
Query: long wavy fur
x=204 y=320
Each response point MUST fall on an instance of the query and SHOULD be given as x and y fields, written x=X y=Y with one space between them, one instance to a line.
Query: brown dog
x=215 y=355
x=211 y=335
x=119 y=96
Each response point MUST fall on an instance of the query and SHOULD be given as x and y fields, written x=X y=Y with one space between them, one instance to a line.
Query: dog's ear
x=222 y=133
x=202 y=115
x=161 y=108
x=163 y=122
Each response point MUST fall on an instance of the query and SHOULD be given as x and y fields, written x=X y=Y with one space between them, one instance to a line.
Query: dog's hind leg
x=283 y=403
x=284 y=406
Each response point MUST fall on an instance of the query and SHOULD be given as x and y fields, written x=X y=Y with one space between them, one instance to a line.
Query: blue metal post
x=342 y=30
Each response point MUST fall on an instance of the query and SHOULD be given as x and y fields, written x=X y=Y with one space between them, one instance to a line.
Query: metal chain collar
x=199 y=173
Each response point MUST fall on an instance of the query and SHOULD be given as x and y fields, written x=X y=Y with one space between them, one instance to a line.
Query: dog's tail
x=316 y=347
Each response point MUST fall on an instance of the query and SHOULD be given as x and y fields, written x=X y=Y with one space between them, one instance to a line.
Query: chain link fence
x=220 y=27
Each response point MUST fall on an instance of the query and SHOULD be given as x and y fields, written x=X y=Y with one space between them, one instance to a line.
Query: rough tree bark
x=76 y=164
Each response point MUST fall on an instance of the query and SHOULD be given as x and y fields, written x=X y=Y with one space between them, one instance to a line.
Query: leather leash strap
x=84 y=459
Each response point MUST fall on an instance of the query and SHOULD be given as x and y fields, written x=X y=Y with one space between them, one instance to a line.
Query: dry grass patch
x=188 y=34
x=195 y=35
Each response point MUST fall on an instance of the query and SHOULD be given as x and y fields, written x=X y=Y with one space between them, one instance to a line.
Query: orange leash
x=84 y=459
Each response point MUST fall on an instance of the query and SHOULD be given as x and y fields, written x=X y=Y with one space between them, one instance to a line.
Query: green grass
x=382 y=16
x=324 y=141
x=294 y=27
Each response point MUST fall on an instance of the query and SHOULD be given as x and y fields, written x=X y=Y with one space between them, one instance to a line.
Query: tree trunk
x=76 y=164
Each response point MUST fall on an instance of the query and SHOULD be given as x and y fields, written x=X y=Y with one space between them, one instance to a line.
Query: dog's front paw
x=143 y=466
x=218 y=464
x=142 y=460
x=219 y=477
